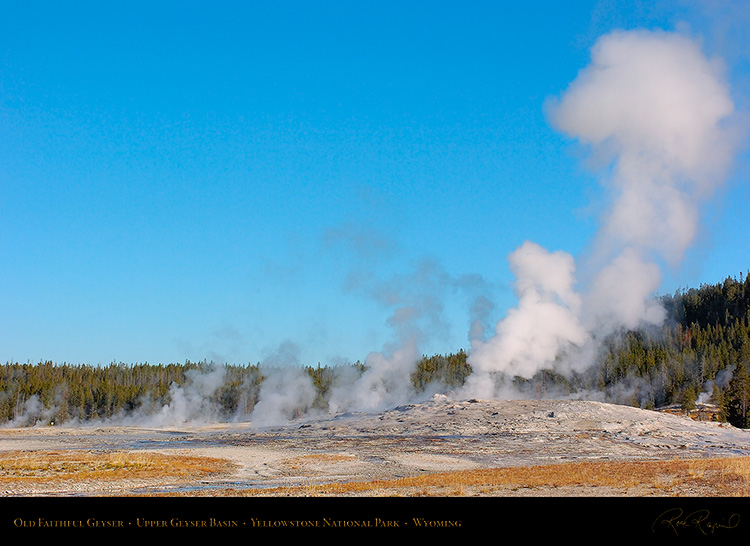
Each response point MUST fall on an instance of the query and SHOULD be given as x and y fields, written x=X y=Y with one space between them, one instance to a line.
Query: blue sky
x=283 y=181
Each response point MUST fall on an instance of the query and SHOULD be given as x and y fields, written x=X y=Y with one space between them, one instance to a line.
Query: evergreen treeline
x=62 y=393
x=701 y=354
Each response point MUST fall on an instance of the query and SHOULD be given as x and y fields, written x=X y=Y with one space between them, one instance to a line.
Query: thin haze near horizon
x=295 y=183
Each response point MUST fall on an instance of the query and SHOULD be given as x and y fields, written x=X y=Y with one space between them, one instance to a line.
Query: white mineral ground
x=438 y=435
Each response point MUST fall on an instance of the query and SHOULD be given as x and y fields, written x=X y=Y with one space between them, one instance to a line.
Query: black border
x=658 y=518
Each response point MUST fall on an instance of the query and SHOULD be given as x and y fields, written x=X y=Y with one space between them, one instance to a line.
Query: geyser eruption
x=546 y=321
x=652 y=109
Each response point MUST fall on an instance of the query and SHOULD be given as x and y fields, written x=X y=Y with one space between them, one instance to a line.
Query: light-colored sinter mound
x=438 y=435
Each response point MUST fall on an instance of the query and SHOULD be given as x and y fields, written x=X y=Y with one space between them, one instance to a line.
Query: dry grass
x=50 y=466
x=679 y=477
x=317 y=459
x=724 y=477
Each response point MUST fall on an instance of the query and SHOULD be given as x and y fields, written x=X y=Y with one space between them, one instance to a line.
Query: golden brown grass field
x=721 y=477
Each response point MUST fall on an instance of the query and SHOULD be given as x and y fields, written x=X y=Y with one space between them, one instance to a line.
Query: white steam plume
x=384 y=383
x=417 y=306
x=285 y=394
x=653 y=109
x=545 y=322
x=190 y=402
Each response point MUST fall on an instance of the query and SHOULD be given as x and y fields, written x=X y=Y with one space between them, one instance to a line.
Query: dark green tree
x=736 y=403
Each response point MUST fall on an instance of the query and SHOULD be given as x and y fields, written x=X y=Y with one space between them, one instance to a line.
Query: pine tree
x=737 y=398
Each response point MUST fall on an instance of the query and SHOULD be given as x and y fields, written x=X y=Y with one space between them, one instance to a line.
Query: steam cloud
x=653 y=110
x=417 y=306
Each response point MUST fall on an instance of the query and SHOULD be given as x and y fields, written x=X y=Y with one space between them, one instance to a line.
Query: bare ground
x=390 y=450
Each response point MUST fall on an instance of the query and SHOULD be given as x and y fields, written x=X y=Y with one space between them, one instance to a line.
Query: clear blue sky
x=275 y=181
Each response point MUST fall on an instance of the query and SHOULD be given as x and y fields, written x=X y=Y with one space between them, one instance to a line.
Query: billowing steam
x=416 y=300
x=545 y=323
x=652 y=111
x=286 y=394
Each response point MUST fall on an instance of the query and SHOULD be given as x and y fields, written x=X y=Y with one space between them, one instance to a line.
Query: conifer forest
x=701 y=354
